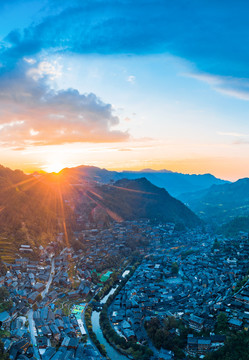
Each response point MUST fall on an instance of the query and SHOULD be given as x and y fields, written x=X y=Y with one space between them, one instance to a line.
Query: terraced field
x=7 y=250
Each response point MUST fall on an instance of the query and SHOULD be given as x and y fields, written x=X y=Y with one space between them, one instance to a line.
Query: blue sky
x=124 y=84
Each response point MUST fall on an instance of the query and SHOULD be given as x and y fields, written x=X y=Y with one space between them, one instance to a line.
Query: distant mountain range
x=220 y=203
x=213 y=200
x=175 y=183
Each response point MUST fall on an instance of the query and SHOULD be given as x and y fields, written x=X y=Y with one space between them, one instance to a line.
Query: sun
x=56 y=160
x=54 y=166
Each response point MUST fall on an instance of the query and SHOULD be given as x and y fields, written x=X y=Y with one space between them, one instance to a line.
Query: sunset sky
x=125 y=84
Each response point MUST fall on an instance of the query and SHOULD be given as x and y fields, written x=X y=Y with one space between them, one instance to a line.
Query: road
x=31 y=313
x=32 y=333
x=45 y=291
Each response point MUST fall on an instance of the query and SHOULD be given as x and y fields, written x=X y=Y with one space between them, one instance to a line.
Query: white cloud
x=10 y=124
x=52 y=70
x=32 y=113
x=234 y=134
x=207 y=78
x=30 y=60
x=230 y=86
x=33 y=132
x=131 y=79
x=238 y=94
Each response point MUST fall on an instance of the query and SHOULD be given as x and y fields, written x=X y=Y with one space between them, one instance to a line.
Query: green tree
x=4 y=294
x=3 y=268
x=38 y=298
x=216 y=245
x=236 y=347
x=222 y=322
x=174 y=268
x=3 y=356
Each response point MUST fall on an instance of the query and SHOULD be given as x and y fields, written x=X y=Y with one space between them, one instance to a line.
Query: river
x=111 y=352
x=105 y=298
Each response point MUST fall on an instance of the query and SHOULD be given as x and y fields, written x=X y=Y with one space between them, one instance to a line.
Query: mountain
x=233 y=227
x=30 y=210
x=88 y=173
x=133 y=200
x=175 y=183
x=34 y=208
x=220 y=203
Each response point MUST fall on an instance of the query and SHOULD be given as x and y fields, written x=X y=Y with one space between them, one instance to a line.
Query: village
x=190 y=276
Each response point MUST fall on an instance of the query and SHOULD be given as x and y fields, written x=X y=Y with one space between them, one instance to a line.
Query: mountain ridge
x=138 y=199
x=175 y=183
x=35 y=208
x=220 y=203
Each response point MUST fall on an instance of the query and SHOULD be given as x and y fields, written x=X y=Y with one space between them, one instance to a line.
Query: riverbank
x=129 y=349
x=102 y=296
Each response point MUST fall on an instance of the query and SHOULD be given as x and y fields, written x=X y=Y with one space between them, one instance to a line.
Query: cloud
x=207 y=78
x=241 y=142
x=31 y=113
x=45 y=68
x=131 y=79
x=230 y=86
x=212 y=36
x=234 y=134
x=236 y=93
x=241 y=139
x=203 y=32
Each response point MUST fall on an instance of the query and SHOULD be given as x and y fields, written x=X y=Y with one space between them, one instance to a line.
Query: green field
x=77 y=310
x=105 y=276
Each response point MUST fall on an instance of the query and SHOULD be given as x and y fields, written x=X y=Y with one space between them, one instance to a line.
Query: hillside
x=137 y=199
x=235 y=226
x=220 y=203
x=34 y=208
x=30 y=211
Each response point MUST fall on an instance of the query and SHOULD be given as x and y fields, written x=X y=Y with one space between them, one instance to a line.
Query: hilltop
x=220 y=203
x=136 y=199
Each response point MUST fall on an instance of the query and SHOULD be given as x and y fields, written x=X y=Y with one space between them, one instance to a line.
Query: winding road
x=45 y=291
x=31 y=314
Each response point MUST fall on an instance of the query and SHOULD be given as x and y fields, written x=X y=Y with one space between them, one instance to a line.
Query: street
x=31 y=313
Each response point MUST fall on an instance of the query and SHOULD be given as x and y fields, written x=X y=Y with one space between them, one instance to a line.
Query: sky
x=125 y=85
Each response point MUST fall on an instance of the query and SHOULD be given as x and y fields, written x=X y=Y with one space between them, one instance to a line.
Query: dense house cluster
x=25 y=280
x=86 y=352
x=233 y=256
x=54 y=327
x=188 y=275
x=104 y=246
x=71 y=279
x=201 y=345
x=201 y=290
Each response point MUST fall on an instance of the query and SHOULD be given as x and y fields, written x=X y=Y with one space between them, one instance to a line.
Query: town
x=135 y=289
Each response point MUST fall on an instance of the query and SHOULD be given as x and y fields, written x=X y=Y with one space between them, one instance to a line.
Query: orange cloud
x=34 y=114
